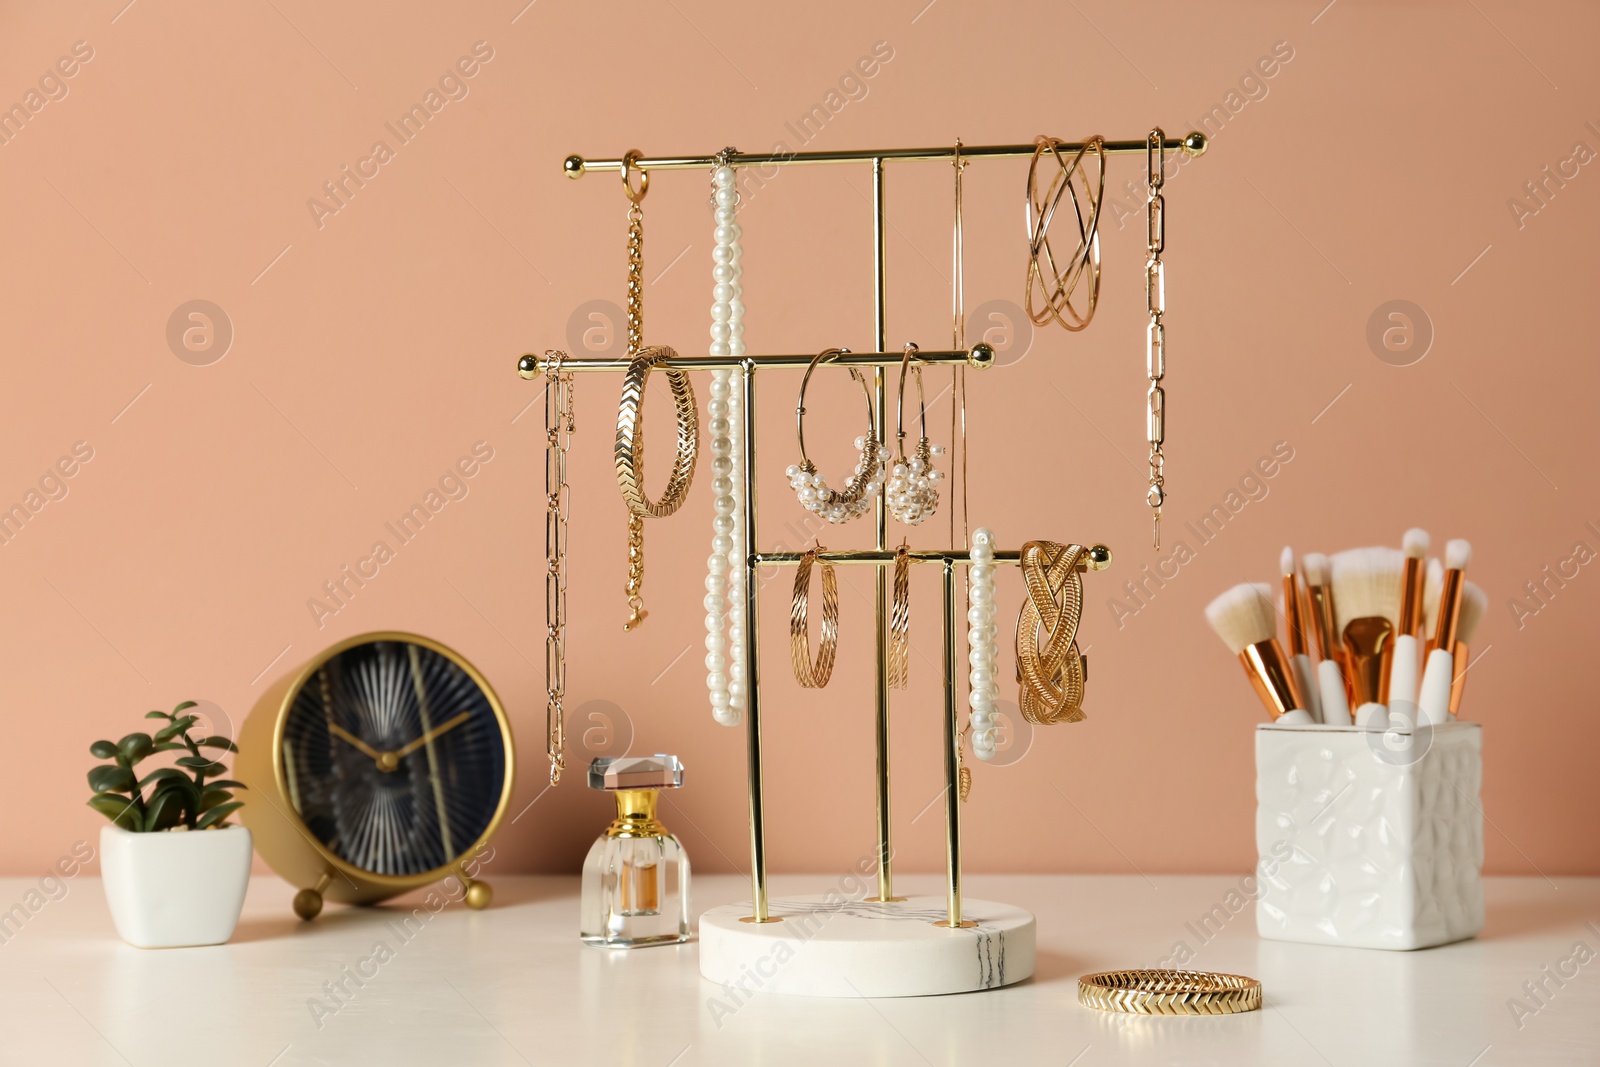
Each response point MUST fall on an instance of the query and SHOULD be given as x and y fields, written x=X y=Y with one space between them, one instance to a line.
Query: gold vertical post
x=881 y=692
x=952 y=758
x=752 y=655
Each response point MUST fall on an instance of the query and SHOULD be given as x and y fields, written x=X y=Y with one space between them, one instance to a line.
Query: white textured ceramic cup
x=177 y=887
x=1370 y=838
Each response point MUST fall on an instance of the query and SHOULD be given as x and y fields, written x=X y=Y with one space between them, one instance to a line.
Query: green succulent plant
x=176 y=796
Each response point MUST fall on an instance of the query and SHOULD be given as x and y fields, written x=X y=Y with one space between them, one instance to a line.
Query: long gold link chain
x=636 y=611
x=1156 y=339
x=558 y=426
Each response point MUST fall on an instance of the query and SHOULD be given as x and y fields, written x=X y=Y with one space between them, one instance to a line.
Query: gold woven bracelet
x=1169 y=992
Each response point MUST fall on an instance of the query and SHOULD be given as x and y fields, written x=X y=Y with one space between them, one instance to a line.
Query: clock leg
x=479 y=895
x=308 y=902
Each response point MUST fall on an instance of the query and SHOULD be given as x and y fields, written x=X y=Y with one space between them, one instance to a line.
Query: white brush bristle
x=1366 y=584
x=1415 y=542
x=1474 y=602
x=1243 y=615
x=1316 y=568
x=1457 y=554
x=1286 y=561
x=1432 y=589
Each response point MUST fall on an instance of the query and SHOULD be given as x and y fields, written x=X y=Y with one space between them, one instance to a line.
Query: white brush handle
x=1371 y=716
x=1433 y=701
x=1295 y=717
x=1403 y=674
x=1308 y=685
x=1330 y=688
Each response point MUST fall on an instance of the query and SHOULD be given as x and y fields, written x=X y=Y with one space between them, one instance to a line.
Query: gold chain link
x=1156 y=338
x=637 y=613
x=559 y=423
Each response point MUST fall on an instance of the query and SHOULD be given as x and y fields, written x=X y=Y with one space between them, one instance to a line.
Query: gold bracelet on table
x=1167 y=992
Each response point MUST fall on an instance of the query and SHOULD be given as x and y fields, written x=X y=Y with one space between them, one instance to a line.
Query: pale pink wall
x=380 y=346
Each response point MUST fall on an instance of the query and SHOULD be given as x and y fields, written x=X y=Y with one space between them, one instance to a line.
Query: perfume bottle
x=636 y=878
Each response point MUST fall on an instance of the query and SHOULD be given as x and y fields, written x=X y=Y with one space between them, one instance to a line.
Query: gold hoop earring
x=809 y=675
x=900 y=621
x=1051 y=671
x=629 y=455
x=912 y=490
x=812 y=489
x=1056 y=286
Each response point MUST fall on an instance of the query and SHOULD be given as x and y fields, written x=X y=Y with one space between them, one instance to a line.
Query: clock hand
x=411 y=747
x=361 y=746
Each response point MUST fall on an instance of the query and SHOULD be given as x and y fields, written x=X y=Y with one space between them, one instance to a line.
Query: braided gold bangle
x=1051 y=671
x=630 y=460
x=809 y=675
x=1169 y=992
x=900 y=621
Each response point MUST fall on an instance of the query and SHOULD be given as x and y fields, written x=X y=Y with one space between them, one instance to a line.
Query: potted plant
x=174 y=869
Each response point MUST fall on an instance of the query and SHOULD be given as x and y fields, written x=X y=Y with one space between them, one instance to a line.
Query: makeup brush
x=1433 y=701
x=1243 y=617
x=1332 y=698
x=1294 y=628
x=1366 y=597
x=1403 y=654
x=1474 y=603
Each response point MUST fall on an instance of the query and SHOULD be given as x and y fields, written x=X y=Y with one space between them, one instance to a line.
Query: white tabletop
x=513 y=985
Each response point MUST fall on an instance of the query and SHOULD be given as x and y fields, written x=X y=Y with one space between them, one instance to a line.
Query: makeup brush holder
x=1369 y=838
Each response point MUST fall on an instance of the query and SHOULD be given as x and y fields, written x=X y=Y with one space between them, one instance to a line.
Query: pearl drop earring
x=912 y=492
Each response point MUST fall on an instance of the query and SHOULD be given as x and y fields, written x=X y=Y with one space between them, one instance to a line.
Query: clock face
x=394 y=758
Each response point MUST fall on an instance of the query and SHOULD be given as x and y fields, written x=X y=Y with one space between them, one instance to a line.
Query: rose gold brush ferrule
x=1446 y=626
x=1411 y=586
x=1459 y=682
x=1294 y=621
x=1366 y=642
x=1321 y=597
x=1268 y=669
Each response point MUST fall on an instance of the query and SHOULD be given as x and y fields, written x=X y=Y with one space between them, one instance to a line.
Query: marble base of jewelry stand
x=831 y=947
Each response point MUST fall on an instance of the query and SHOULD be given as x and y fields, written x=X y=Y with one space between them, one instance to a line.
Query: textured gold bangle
x=809 y=675
x=1169 y=992
x=1051 y=671
x=900 y=622
x=630 y=436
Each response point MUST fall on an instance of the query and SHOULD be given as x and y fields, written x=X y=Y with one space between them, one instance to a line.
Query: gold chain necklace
x=1156 y=339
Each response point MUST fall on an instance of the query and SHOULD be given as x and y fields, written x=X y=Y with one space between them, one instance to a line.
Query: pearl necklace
x=982 y=644
x=726 y=676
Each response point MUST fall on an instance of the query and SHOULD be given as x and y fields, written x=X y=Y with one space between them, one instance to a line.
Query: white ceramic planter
x=175 y=888
x=1369 y=839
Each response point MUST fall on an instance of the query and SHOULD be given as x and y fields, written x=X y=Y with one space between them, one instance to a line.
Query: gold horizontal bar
x=876 y=557
x=575 y=166
x=980 y=356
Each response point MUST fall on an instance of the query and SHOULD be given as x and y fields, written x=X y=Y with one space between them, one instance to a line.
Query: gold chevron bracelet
x=1169 y=992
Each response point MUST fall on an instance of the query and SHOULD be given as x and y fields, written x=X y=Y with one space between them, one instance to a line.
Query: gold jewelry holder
x=880 y=557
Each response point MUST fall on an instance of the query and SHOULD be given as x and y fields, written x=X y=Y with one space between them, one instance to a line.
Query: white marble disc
x=829 y=946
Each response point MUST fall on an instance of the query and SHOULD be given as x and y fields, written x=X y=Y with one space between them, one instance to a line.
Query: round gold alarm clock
x=382 y=765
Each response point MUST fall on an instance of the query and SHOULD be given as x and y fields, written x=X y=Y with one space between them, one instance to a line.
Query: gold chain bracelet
x=1169 y=992
x=1052 y=672
x=629 y=454
x=558 y=427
